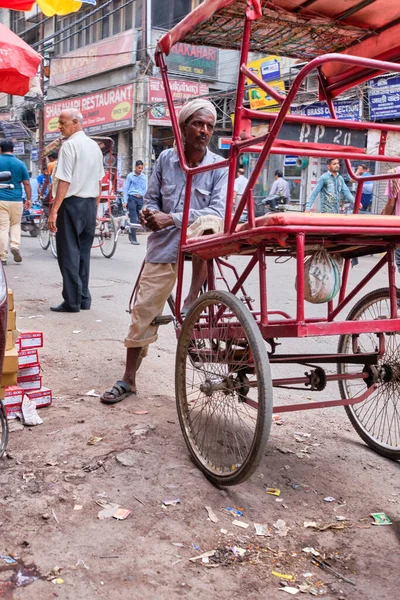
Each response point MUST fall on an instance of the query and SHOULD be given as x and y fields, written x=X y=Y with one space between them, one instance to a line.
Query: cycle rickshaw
x=226 y=344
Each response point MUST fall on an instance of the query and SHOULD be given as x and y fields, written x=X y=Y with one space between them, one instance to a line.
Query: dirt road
x=52 y=481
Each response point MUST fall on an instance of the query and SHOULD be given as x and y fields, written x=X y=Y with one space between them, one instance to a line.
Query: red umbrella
x=18 y=63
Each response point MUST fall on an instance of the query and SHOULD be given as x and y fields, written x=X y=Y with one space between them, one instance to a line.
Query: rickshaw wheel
x=44 y=233
x=376 y=419
x=107 y=237
x=219 y=374
x=53 y=245
x=4 y=429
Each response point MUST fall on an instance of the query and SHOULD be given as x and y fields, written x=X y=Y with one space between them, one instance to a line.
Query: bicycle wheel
x=107 y=237
x=377 y=419
x=221 y=374
x=53 y=246
x=44 y=233
x=4 y=429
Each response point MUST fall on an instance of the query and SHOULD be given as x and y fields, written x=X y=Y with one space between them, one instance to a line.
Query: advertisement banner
x=260 y=100
x=269 y=70
x=186 y=59
x=384 y=98
x=181 y=91
x=103 y=112
x=346 y=110
x=111 y=53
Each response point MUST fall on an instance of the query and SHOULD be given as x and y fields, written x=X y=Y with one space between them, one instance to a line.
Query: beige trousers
x=10 y=225
x=156 y=283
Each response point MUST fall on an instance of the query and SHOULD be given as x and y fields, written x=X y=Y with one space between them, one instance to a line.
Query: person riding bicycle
x=280 y=192
x=162 y=214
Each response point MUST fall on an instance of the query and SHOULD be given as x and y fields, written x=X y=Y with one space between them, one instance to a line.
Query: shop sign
x=346 y=110
x=103 y=112
x=198 y=61
x=19 y=148
x=107 y=55
x=181 y=91
x=290 y=161
x=384 y=98
x=267 y=69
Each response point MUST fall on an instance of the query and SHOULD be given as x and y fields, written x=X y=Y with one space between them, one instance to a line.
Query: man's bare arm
x=28 y=192
x=62 y=190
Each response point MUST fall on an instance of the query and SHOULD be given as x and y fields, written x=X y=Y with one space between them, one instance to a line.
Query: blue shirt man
x=11 y=203
x=134 y=190
x=367 y=189
x=332 y=189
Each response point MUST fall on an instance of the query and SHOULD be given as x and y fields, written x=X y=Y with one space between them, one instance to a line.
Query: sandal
x=117 y=393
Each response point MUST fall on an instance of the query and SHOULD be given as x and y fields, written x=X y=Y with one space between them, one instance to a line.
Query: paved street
x=145 y=557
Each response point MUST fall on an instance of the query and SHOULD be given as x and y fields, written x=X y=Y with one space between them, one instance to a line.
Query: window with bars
x=167 y=13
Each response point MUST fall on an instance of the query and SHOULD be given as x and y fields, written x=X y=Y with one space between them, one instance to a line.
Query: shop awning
x=302 y=29
x=14 y=130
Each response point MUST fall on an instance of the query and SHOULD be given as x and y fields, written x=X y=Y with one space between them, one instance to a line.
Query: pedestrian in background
x=134 y=190
x=11 y=202
x=76 y=190
x=332 y=189
x=240 y=185
x=367 y=188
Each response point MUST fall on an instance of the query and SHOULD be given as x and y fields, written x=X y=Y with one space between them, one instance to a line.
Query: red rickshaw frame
x=284 y=235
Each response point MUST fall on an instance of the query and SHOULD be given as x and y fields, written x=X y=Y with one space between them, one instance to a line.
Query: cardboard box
x=28 y=358
x=13 y=395
x=8 y=379
x=42 y=397
x=12 y=337
x=10 y=364
x=30 y=339
x=11 y=409
x=10 y=299
x=30 y=382
x=11 y=320
x=27 y=371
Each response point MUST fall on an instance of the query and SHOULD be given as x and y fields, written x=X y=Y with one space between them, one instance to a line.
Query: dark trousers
x=76 y=224
x=135 y=205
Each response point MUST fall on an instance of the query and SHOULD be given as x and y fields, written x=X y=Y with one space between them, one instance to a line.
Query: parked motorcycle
x=30 y=219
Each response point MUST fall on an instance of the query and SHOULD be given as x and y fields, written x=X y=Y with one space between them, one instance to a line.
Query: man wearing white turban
x=162 y=214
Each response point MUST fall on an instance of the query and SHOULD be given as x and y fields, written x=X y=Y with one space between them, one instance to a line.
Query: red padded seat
x=323 y=220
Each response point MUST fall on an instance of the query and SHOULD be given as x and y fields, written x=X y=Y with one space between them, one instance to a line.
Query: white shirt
x=240 y=184
x=80 y=163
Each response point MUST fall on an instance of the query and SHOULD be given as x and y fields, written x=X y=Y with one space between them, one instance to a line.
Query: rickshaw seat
x=323 y=220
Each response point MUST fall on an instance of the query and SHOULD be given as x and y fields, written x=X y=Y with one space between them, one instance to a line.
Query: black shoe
x=63 y=308
x=135 y=243
x=85 y=306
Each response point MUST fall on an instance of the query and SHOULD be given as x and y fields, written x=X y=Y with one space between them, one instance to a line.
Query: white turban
x=194 y=105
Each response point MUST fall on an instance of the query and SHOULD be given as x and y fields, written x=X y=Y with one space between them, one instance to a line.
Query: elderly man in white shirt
x=77 y=189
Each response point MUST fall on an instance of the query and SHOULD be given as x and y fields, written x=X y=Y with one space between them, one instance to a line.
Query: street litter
x=224 y=531
x=92 y=393
x=329 y=499
x=324 y=565
x=77 y=331
x=240 y=524
x=340 y=518
x=204 y=555
x=82 y=562
x=311 y=550
x=282 y=575
x=141 y=412
x=57 y=580
x=9 y=560
x=171 y=502
x=296 y=486
x=284 y=450
x=281 y=528
x=78 y=507
x=29 y=414
x=323 y=526
x=307 y=574
x=289 y=590
x=262 y=530
x=94 y=440
x=234 y=511
x=237 y=551
x=302 y=436
x=108 y=509
x=28 y=476
x=121 y=514
x=273 y=491
x=380 y=519
x=179 y=544
x=211 y=514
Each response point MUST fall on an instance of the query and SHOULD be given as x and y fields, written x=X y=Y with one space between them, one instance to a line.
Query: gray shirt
x=280 y=187
x=166 y=192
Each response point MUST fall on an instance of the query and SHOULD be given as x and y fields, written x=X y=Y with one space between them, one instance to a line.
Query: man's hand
x=52 y=221
x=155 y=220
x=27 y=204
